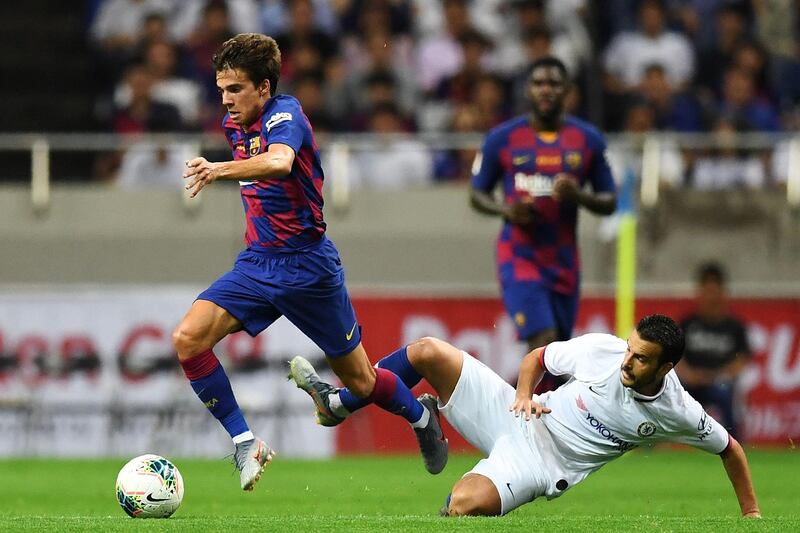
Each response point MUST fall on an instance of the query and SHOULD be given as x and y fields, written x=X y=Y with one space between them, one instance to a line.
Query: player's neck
x=538 y=124
x=652 y=389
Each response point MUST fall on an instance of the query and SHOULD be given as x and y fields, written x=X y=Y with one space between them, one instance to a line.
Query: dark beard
x=550 y=119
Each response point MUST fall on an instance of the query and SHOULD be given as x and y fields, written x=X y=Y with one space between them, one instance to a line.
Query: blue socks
x=403 y=401
x=391 y=394
x=212 y=386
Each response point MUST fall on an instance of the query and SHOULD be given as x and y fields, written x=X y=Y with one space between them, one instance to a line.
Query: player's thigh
x=478 y=407
x=243 y=294
x=565 y=311
x=317 y=302
x=203 y=326
x=438 y=362
x=514 y=471
x=529 y=306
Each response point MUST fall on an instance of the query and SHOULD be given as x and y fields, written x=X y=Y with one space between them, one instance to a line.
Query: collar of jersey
x=642 y=398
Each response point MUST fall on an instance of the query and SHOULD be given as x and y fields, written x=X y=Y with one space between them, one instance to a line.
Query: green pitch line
x=656 y=491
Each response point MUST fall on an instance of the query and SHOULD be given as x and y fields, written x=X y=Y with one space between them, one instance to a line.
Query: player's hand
x=200 y=172
x=520 y=212
x=565 y=188
x=529 y=407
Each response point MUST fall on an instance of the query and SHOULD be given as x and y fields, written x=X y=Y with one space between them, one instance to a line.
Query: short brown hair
x=255 y=54
x=662 y=330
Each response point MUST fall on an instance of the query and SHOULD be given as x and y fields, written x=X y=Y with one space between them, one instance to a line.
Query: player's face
x=640 y=369
x=546 y=91
x=242 y=98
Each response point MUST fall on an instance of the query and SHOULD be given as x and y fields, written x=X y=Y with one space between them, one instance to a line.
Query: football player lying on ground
x=621 y=394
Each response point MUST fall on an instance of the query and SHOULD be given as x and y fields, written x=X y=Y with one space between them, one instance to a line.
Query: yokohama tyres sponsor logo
x=606 y=433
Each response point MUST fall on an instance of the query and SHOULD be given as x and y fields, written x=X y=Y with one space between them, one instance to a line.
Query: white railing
x=340 y=147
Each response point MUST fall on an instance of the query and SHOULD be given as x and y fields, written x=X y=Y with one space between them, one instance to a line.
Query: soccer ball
x=149 y=486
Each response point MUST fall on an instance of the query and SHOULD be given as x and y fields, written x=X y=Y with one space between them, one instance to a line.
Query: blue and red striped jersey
x=526 y=162
x=284 y=212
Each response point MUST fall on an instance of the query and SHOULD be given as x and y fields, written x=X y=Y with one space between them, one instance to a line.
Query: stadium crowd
x=461 y=65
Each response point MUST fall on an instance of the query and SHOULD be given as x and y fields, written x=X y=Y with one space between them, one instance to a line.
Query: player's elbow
x=281 y=166
x=731 y=449
x=475 y=200
x=610 y=206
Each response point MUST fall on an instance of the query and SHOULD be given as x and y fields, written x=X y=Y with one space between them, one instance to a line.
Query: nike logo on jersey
x=594 y=391
x=352 y=330
x=520 y=159
x=509 y=489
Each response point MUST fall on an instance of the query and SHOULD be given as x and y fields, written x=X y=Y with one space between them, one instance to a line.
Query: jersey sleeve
x=599 y=170
x=286 y=124
x=587 y=358
x=486 y=170
x=699 y=430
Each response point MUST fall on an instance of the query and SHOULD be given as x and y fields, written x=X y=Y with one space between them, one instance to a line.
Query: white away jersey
x=595 y=418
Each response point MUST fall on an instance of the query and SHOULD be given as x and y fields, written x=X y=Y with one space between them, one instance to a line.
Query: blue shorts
x=534 y=308
x=305 y=286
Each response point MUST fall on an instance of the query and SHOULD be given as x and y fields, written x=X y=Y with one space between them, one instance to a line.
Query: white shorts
x=479 y=411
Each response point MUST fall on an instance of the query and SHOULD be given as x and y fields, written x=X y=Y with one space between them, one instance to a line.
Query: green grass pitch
x=643 y=491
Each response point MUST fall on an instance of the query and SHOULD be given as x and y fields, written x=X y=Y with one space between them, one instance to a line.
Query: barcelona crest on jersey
x=255 y=146
x=573 y=159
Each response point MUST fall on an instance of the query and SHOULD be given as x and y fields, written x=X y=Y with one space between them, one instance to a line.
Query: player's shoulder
x=734 y=322
x=676 y=403
x=284 y=101
x=675 y=398
x=595 y=344
x=502 y=130
x=592 y=132
x=603 y=341
x=282 y=108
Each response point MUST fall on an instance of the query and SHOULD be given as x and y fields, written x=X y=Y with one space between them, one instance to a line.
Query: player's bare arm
x=530 y=373
x=735 y=463
x=567 y=189
x=519 y=212
x=275 y=162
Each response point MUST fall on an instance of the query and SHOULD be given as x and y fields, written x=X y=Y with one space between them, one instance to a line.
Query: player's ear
x=665 y=368
x=264 y=88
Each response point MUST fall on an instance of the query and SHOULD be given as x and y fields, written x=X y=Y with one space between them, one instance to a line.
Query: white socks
x=335 y=403
x=243 y=437
x=423 y=420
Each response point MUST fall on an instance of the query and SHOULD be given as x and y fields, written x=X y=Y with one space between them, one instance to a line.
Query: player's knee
x=468 y=502
x=186 y=342
x=542 y=338
x=426 y=349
